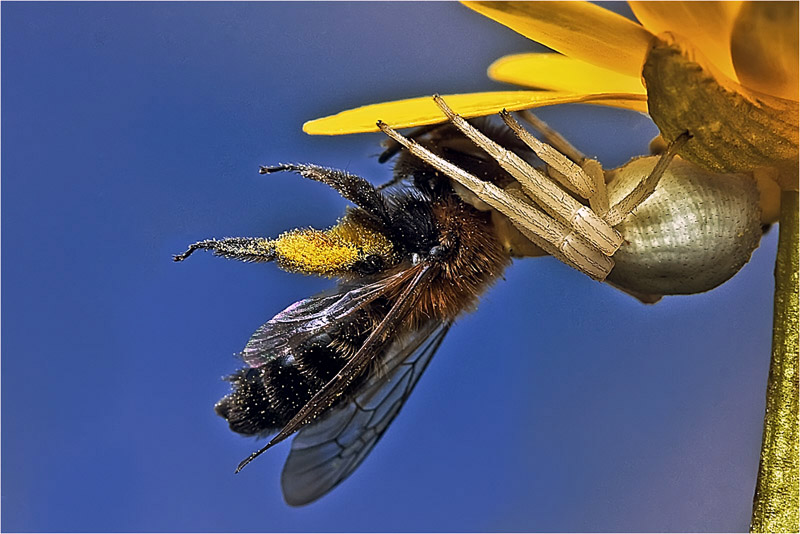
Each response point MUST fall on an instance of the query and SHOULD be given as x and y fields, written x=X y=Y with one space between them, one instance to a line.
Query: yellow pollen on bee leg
x=332 y=252
x=314 y=252
x=367 y=240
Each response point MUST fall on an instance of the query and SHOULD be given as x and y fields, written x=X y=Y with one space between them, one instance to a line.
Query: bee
x=410 y=257
x=337 y=367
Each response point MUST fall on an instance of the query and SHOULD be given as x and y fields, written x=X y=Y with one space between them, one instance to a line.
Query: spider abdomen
x=692 y=234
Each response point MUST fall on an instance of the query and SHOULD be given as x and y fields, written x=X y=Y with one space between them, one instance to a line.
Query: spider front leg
x=687 y=230
x=586 y=176
x=547 y=232
x=647 y=186
x=579 y=235
x=580 y=219
x=568 y=166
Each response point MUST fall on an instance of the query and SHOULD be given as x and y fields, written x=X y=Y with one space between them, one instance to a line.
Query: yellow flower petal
x=422 y=111
x=561 y=73
x=707 y=25
x=579 y=30
x=764 y=47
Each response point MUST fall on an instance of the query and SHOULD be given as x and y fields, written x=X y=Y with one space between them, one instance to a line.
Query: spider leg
x=552 y=137
x=576 y=179
x=585 y=178
x=645 y=188
x=553 y=236
x=554 y=200
x=598 y=201
x=392 y=147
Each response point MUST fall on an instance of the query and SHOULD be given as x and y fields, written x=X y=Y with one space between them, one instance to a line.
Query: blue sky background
x=132 y=130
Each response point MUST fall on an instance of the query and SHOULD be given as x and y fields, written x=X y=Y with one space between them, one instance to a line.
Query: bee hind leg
x=248 y=249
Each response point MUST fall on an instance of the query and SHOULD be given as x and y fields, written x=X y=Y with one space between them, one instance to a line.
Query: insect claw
x=192 y=248
x=238 y=248
x=263 y=169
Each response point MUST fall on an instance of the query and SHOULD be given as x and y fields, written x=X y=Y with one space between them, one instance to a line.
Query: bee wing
x=281 y=335
x=327 y=450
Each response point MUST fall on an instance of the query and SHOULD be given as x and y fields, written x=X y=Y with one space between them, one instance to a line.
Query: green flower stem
x=775 y=505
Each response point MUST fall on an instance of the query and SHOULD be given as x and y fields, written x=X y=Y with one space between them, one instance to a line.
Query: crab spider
x=561 y=225
x=673 y=242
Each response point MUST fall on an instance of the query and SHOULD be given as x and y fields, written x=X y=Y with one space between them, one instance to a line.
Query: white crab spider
x=691 y=234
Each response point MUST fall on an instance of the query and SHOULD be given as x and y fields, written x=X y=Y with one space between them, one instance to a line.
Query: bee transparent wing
x=327 y=450
x=281 y=335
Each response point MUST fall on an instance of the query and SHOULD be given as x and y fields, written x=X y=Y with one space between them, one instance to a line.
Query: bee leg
x=554 y=200
x=353 y=188
x=548 y=233
x=570 y=168
x=645 y=188
x=249 y=249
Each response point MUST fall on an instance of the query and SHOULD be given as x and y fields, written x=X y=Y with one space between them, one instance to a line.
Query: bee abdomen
x=265 y=399
x=247 y=409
